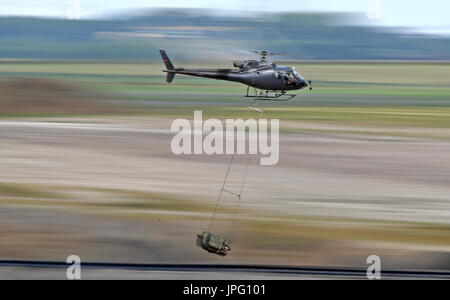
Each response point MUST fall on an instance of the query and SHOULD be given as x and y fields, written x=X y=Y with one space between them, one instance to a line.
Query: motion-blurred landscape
x=86 y=165
x=205 y=34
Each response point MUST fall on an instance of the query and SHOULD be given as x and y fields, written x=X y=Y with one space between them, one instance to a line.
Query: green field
x=369 y=94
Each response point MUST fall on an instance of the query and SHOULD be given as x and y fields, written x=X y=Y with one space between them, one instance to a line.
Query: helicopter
x=268 y=80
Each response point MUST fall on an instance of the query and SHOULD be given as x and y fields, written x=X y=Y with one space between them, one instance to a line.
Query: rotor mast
x=264 y=54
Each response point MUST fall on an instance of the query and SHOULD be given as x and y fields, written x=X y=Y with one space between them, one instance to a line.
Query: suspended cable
x=221 y=191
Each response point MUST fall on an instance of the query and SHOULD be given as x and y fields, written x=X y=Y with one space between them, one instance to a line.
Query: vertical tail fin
x=166 y=60
x=168 y=64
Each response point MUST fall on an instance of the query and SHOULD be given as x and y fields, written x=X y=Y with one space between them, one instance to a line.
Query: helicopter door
x=285 y=77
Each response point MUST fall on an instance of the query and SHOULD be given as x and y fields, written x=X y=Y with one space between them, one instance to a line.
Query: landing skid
x=269 y=95
x=266 y=96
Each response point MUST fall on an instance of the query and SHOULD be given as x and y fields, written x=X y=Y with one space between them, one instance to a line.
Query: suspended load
x=213 y=243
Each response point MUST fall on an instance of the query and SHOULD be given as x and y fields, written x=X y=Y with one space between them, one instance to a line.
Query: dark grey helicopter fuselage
x=260 y=75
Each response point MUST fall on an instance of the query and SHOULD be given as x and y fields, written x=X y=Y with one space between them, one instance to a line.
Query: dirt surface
x=111 y=190
x=34 y=96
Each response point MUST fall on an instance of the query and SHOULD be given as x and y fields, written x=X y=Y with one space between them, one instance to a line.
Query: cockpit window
x=297 y=75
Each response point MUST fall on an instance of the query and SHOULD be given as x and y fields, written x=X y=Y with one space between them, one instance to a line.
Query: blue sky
x=426 y=16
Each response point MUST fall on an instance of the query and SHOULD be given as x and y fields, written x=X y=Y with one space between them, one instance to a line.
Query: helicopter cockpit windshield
x=292 y=77
x=297 y=75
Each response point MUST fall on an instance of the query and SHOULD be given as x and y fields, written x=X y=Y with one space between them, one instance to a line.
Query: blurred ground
x=117 y=188
x=108 y=274
x=364 y=169
x=33 y=96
